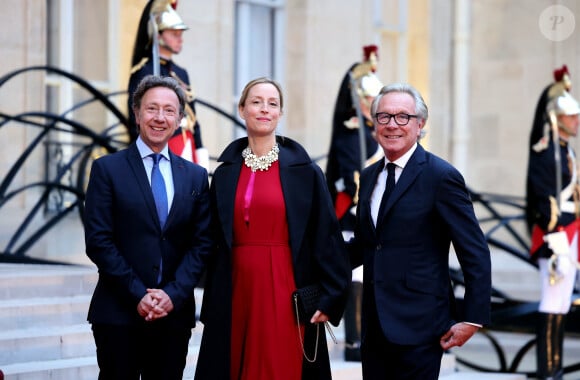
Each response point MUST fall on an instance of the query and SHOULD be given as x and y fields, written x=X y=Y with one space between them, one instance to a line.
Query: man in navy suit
x=149 y=261
x=404 y=238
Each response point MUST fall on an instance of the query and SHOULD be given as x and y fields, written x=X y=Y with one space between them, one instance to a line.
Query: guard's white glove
x=558 y=242
x=560 y=264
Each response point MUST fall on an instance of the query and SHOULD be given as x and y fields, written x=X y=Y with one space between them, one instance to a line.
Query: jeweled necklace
x=263 y=162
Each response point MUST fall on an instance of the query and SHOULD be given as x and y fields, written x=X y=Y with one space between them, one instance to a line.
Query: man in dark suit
x=403 y=236
x=149 y=249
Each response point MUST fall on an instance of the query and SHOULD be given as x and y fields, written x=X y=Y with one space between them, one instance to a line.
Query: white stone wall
x=510 y=62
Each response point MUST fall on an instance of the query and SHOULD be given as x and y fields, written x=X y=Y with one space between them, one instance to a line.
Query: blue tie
x=159 y=191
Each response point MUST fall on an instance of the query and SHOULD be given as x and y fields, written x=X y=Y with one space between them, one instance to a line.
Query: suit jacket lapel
x=136 y=163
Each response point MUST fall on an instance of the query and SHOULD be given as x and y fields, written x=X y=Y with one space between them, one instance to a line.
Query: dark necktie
x=389 y=186
x=160 y=196
x=158 y=188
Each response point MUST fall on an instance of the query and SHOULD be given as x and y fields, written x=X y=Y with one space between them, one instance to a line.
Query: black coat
x=317 y=249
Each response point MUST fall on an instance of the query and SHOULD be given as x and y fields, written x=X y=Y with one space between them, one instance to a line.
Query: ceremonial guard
x=352 y=148
x=159 y=38
x=552 y=215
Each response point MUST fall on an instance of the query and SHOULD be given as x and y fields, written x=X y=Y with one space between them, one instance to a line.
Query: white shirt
x=377 y=194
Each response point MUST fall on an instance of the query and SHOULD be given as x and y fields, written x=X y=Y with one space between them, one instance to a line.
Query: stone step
x=519 y=282
x=76 y=366
x=44 y=344
x=43 y=329
x=18 y=281
x=43 y=312
x=342 y=370
x=480 y=351
x=522 y=274
x=44 y=333
x=511 y=275
x=79 y=368
x=86 y=368
x=483 y=376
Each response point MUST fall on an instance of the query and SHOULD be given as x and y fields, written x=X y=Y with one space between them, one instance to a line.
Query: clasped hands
x=155 y=304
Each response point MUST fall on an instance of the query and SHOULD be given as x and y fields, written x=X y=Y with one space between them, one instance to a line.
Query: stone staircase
x=44 y=333
x=43 y=328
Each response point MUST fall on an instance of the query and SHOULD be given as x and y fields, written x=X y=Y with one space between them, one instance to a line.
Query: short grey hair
x=421 y=109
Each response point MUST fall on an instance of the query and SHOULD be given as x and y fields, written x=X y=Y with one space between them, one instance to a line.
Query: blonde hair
x=256 y=81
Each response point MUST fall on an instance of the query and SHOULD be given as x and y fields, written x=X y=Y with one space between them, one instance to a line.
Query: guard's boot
x=550 y=338
x=558 y=330
x=352 y=323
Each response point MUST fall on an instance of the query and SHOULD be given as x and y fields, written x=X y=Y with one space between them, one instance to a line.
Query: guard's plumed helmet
x=565 y=104
x=165 y=16
x=370 y=85
x=371 y=56
x=562 y=82
x=540 y=134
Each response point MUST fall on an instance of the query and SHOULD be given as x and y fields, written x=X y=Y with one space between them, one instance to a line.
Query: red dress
x=264 y=340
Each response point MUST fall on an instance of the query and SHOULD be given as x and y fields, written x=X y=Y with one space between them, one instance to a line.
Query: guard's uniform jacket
x=344 y=158
x=542 y=201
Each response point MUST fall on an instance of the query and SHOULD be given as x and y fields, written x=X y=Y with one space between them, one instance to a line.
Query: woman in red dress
x=275 y=231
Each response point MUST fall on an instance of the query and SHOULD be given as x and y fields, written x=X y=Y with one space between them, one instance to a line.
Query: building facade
x=480 y=64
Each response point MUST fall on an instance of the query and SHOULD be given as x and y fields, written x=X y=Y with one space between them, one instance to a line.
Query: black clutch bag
x=306 y=302
x=305 y=305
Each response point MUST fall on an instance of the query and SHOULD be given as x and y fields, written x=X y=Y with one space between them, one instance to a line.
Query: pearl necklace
x=263 y=162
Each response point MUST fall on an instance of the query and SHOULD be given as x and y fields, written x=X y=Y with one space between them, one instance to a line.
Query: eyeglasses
x=400 y=118
x=156 y=111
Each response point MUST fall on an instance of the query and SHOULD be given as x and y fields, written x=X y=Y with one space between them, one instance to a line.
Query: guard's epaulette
x=541 y=145
x=139 y=65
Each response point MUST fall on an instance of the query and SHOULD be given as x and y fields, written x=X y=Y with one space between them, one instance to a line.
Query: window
x=258 y=46
x=77 y=43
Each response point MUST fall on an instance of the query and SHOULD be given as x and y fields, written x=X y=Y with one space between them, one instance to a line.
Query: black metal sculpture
x=62 y=189
x=502 y=218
